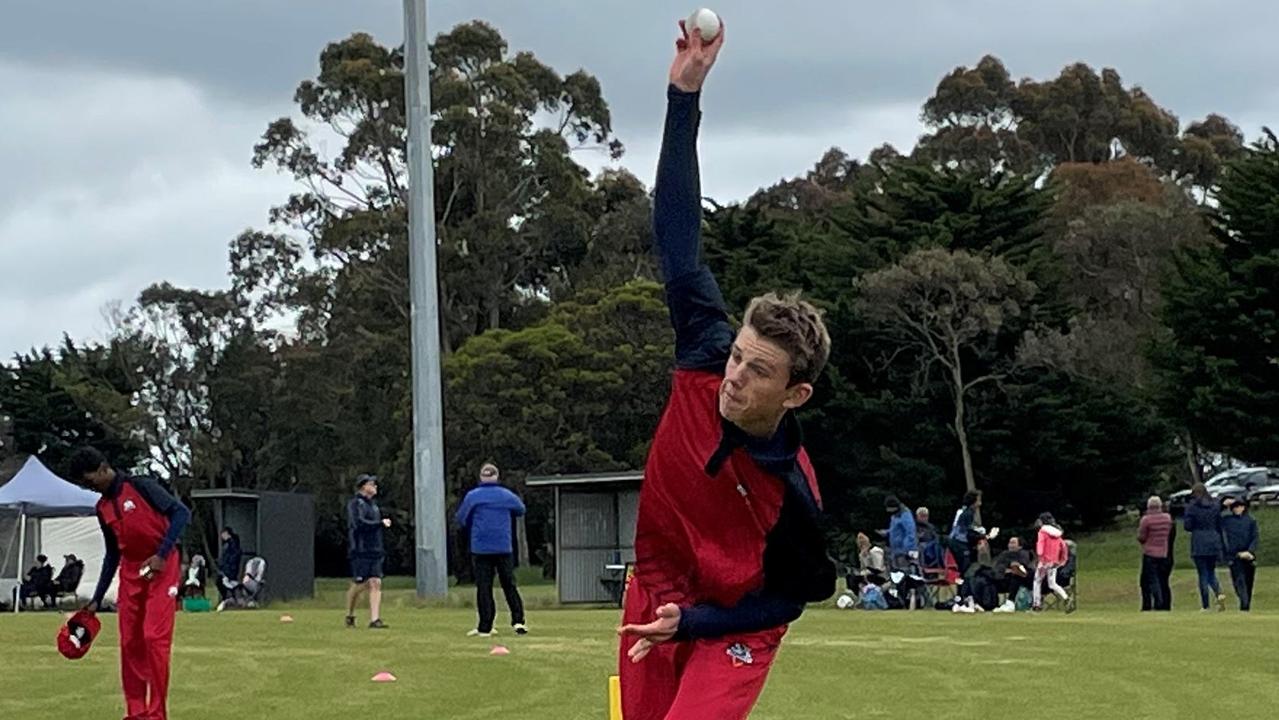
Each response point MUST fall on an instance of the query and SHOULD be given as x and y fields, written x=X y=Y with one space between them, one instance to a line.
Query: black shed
x=279 y=527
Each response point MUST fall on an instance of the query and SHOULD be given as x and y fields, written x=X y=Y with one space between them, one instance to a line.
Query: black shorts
x=363 y=568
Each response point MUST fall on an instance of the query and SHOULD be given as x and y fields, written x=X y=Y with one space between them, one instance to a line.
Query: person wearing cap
x=1239 y=530
x=68 y=580
x=141 y=523
x=485 y=517
x=365 y=525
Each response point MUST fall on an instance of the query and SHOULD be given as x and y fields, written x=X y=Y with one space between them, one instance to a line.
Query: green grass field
x=1105 y=661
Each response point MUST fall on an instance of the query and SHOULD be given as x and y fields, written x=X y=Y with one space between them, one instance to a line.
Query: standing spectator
x=228 y=564
x=1165 y=571
x=485 y=517
x=1240 y=531
x=365 y=525
x=903 y=544
x=1203 y=522
x=964 y=529
x=1152 y=533
x=1052 y=554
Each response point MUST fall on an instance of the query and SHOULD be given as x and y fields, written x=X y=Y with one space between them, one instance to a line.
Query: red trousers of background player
x=717 y=679
x=146 y=610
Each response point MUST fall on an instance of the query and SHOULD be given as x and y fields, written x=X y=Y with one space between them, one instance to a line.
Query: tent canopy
x=37 y=492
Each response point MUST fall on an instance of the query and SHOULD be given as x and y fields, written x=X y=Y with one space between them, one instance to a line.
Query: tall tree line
x=1060 y=297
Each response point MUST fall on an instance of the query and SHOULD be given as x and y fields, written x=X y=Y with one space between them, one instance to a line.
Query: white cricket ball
x=705 y=20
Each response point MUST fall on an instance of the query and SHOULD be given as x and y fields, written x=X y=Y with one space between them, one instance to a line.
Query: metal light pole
x=428 y=409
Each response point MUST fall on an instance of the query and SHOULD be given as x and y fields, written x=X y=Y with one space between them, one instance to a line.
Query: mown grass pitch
x=1105 y=661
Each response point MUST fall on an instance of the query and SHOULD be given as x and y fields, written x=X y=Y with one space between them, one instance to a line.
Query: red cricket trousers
x=714 y=679
x=146 y=614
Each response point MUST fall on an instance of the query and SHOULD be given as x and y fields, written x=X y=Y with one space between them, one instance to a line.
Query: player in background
x=141 y=523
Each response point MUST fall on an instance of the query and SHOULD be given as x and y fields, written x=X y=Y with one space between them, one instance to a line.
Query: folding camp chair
x=1068 y=579
x=940 y=580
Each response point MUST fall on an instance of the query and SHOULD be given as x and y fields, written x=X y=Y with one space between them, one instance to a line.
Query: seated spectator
x=196 y=576
x=979 y=591
x=1014 y=570
x=39 y=582
x=68 y=580
x=870 y=560
x=248 y=592
x=925 y=531
x=870 y=596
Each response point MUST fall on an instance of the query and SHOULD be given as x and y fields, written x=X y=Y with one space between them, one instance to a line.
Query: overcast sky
x=126 y=127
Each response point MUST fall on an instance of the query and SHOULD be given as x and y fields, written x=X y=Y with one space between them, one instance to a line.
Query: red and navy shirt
x=139 y=519
x=726 y=522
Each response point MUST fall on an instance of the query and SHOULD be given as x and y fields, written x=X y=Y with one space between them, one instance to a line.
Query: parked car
x=1239 y=482
x=1266 y=491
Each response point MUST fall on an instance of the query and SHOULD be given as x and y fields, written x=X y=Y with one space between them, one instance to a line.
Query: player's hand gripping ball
x=706 y=21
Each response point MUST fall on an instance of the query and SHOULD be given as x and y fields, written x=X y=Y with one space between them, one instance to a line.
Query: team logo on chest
x=740 y=654
x=129 y=506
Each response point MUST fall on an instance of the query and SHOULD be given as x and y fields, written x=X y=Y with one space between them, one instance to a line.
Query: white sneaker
x=477 y=633
x=1007 y=607
x=221 y=606
x=520 y=629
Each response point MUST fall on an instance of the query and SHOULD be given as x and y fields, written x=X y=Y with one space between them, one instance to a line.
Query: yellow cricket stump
x=614 y=698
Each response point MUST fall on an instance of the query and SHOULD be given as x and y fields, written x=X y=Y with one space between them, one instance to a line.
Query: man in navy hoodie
x=485 y=517
x=1239 y=530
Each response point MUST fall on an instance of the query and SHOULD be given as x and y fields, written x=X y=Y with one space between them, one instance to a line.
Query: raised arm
x=702 y=332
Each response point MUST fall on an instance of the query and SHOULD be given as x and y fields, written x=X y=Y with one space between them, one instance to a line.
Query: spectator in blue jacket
x=903 y=543
x=485 y=517
x=1203 y=522
x=1241 y=536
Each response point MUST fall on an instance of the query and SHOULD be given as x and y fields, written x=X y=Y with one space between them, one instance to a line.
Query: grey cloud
x=786 y=63
x=127 y=127
x=101 y=199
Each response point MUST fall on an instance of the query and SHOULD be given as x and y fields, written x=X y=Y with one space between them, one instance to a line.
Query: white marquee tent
x=49 y=516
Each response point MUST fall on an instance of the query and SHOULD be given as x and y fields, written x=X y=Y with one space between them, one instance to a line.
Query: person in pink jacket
x=1050 y=549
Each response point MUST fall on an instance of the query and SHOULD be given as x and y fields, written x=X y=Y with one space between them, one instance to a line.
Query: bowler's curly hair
x=795 y=325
